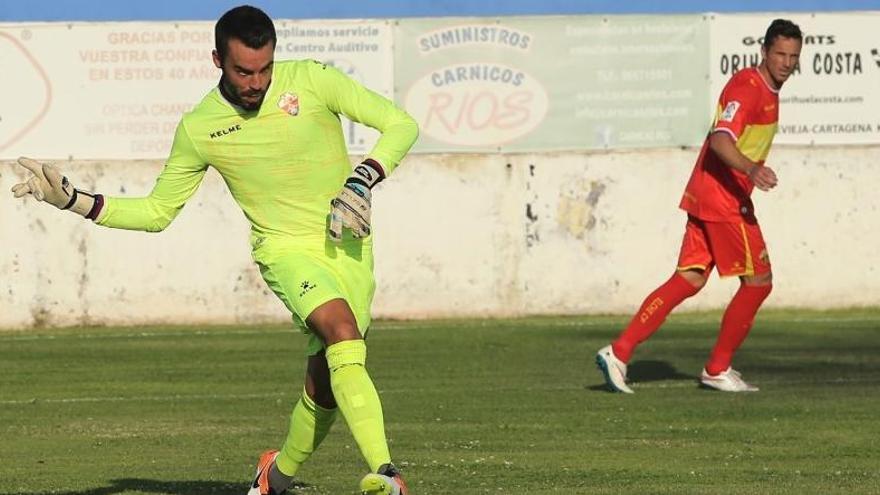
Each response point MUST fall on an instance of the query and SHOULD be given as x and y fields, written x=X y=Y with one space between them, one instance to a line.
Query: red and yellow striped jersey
x=748 y=110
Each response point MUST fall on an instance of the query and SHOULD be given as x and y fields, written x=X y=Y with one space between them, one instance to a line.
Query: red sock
x=652 y=314
x=735 y=325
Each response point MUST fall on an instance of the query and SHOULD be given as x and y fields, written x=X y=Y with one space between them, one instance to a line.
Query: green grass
x=500 y=406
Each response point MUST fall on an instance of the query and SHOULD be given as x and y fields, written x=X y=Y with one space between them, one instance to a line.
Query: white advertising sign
x=834 y=97
x=117 y=90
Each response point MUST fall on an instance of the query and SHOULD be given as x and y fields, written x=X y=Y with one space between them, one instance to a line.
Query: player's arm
x=723 y=145
x=179 y=180
x=399 y=131
x=345 y=96
x=734 y=111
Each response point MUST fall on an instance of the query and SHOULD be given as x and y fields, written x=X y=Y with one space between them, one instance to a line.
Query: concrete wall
x=456 y=235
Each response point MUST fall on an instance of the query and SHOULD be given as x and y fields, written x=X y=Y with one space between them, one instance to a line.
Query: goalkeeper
x=272 y=130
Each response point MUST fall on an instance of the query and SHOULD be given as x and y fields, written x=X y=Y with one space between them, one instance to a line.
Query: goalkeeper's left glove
x=351 y=208
x=47 y=184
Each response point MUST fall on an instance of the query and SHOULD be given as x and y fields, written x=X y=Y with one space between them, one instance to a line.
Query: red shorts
x=737 y=249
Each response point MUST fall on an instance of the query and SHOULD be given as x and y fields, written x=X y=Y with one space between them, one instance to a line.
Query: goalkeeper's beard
x=234 y=96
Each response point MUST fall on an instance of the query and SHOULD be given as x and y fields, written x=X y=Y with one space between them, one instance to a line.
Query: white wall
x=456 y=235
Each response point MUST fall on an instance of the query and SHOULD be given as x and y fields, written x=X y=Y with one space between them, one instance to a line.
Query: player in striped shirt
x=721 y=231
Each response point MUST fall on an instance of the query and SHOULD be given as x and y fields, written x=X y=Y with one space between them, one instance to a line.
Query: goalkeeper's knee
x=346 y=353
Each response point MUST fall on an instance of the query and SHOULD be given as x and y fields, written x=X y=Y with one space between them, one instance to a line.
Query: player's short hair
x=784 y=28
x=249 y=24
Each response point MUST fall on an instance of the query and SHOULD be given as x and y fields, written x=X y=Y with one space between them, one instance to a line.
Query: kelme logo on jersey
x=729 y=112
x=289 y=102
x=306 y=286
x=225 y=132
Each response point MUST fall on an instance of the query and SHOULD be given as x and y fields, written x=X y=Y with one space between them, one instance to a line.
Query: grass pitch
x=496 y=406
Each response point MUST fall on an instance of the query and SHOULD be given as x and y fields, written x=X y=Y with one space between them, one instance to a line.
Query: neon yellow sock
x=358 y=400
x=309 y=425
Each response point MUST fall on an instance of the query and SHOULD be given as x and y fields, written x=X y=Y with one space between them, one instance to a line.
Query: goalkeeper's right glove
x=47 y=184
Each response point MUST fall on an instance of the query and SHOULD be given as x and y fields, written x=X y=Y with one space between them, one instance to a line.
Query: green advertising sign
x=538 y=83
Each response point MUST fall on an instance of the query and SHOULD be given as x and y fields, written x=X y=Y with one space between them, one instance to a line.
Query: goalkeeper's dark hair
x=249 y=24
x=784 y=28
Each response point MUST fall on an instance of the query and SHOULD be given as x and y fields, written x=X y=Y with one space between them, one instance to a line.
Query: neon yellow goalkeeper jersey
x=282 y=163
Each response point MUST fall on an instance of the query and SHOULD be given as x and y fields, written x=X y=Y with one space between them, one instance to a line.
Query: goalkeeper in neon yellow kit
x=272 y=130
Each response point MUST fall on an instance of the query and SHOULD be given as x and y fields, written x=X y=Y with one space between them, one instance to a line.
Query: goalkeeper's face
x=247 y=73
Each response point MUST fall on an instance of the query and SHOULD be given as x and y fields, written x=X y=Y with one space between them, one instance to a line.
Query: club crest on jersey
x=729 y=111
x=289 y=103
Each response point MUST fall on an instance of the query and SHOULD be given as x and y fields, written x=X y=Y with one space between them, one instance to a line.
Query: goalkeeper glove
x=47 y=184
x=351 y=208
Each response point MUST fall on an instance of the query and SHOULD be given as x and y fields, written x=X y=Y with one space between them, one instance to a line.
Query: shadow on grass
x=655 y=371
x=166 y=488
x=649 y=371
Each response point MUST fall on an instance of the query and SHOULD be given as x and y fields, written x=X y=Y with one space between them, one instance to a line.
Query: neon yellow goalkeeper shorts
x=305 y=278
